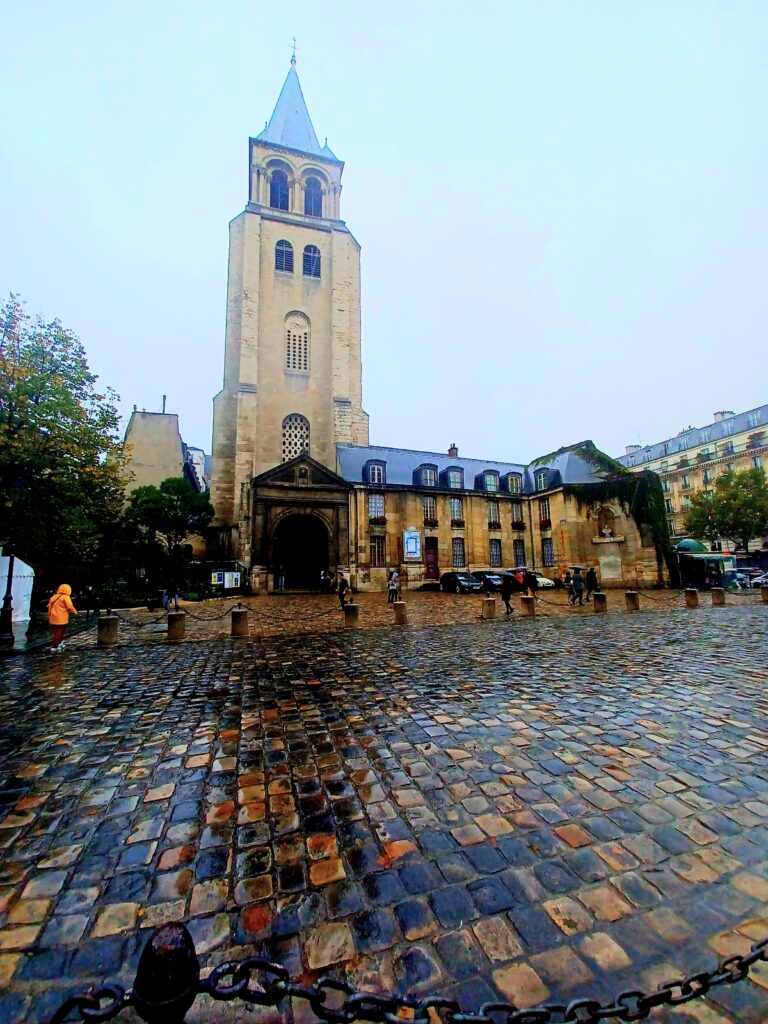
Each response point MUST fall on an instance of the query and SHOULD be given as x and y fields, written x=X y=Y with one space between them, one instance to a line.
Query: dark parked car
x=490 y=580
x=460 y=583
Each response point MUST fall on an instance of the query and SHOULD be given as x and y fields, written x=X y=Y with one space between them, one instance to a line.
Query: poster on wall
x=412 y=544
x=217 y=579
x=231 y=580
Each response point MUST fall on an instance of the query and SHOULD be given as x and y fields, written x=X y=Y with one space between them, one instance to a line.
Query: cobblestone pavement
x=539 y=809
x=291 y=613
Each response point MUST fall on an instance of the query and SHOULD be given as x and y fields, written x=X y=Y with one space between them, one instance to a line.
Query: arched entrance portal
x=301 y=547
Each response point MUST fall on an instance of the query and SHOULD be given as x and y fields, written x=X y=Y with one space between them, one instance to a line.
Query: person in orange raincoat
x=59 y=609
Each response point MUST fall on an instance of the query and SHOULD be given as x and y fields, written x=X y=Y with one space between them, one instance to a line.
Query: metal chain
x=260 y=982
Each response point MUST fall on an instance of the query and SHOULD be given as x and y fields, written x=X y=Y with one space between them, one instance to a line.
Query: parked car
x=490 y=580
x=460 y=583
x=544 y=581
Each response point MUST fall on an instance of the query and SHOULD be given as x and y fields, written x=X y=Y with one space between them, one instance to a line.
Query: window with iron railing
x=457 y=552
x=548 y=551
x=494 y=553
x=378 y=551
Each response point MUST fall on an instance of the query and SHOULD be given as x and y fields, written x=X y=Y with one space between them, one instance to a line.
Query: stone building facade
x=694 y=458
x=295 y=484
x=154 y=451
x=292 y=368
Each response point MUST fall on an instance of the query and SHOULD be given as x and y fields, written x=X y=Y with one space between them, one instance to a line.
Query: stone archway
x=301 y=546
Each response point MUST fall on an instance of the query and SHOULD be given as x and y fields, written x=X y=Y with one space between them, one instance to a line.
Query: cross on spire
x=293 y=53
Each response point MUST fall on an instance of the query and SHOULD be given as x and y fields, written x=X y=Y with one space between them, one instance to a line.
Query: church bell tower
x=292 y=365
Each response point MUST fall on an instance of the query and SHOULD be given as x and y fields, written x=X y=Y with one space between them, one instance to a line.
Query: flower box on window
x=682 y=463
x=494 y=524
x=430 y=522
x=545 y=524
x=703 y=457
x=518 y=524
x=457 y=522
x=377 y=520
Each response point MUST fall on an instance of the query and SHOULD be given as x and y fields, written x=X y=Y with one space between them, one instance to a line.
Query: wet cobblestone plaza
x=528 y=810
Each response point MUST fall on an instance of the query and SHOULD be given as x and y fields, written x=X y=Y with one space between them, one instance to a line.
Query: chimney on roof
x=163 y=404
x=724 y=414
x=453 y=451
x=632 y=448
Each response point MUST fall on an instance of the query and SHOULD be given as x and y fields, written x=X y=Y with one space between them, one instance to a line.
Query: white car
x=544 y=581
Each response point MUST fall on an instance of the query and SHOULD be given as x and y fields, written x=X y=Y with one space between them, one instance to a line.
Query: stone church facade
x=295 y=483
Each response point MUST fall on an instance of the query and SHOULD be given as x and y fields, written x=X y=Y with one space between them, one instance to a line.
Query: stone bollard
x=177 y=625
x=528 y=606
x=691 y=598
x=401 y=613
x=489 y=608
x=764 y=593
x=239 y=622
x=633 y=600
x=718 y=597
x=351 y=616
x=601 y=601
x=106 y=630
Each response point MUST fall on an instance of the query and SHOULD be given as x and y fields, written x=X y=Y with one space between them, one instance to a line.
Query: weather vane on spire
x=293 y=53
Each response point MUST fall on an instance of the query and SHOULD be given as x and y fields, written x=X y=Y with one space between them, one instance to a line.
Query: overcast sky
x=562 y=206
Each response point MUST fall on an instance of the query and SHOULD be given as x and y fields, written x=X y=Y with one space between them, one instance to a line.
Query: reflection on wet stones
x=411 y=809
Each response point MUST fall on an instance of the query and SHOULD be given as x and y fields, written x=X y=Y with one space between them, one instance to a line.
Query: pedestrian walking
x=530 y=583
x=578 y=588
x=281 y=577
x=568 y=584
x=342 y=589
x=60 y=607
x=392 y=582
x=171 y=596
x=591 y=581
x=505 y=590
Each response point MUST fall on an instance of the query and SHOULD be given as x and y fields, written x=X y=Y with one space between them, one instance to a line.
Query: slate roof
x=752 y=419
x=566 y=466
x=290 y=124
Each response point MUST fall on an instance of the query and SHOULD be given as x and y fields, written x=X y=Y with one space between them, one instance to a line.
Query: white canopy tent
x=21 y=588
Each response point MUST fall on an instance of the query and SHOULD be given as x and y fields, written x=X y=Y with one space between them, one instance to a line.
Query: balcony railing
x=518 y=524
x=545 y=524
x=377 y=520
x=431 y=522
x=494 y=524
x=457 y=523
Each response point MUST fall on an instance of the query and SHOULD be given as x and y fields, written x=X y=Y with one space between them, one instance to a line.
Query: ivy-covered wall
x=641 y=497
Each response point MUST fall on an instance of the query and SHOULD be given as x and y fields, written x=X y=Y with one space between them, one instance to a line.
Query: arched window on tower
x=278 y=190
x=284 y=256
x=297 y=339
x=313 y=198
x=311 y=261
x=295 y=436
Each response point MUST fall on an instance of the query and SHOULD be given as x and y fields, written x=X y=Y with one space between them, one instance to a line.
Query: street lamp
x=6 y=614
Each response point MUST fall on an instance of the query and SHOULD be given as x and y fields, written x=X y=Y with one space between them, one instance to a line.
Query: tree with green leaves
x=167 y=515
x=736 y=508
x=61 y=464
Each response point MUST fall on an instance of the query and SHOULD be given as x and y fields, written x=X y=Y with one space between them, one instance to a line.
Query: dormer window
x=515 y=483
x=427 y=476
x=454 y=478
x=490 y=482
x=375 y=472
x=542 y=479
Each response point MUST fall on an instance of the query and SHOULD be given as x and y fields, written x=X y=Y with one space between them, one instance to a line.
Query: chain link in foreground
x=168 y=982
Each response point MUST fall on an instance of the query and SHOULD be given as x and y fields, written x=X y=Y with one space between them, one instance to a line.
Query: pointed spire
x=290 y=124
